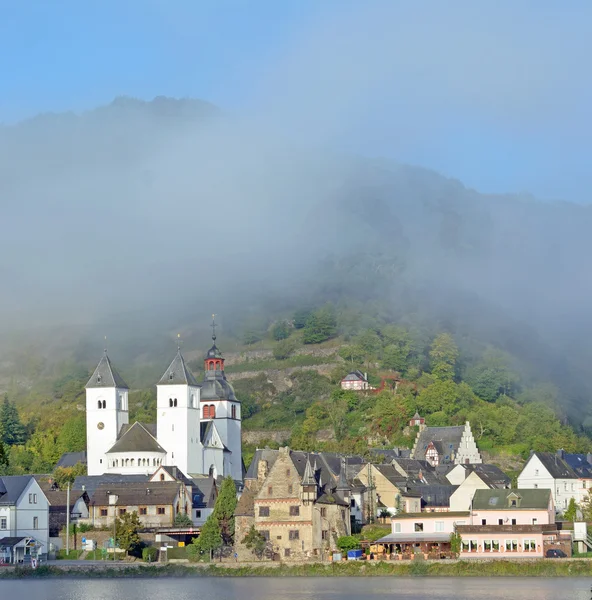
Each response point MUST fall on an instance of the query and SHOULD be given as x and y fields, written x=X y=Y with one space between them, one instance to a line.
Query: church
x=197 y=429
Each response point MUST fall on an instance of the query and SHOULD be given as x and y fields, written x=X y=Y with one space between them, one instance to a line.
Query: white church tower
x=220 y=406
x=106 y=413
x=177 y=417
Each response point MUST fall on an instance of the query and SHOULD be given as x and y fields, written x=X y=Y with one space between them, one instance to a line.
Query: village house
x=417 y=421
x=58 y=509
x=157 y=503
x=548 y=470
x=297 y=503
x=356 y=380
x=446 y=445
x=510 y=524
x=469 y=478
x=24 y=519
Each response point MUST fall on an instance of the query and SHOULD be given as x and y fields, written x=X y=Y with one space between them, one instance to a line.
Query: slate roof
x=204 y=491
x=392 y=453
x=10 y=542
x=355 y=376
x=434 y=495
x=178 y=373
x=557 y=467
x=136 y=494
x=91 y=482
x=391 y=474
x=266 y=454
x=409 y=467
x=580 y=464
x=58 y=498
x=106 y=376
x=214 y=352
x=446 y=439
x=176 y=473
x=136 y=438
x=70 y=459
x=216 y=388
x=530 y=499
x=490 y=474
x=14 y=485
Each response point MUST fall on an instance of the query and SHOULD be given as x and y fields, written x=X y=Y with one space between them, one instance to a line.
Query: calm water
x=300 y=588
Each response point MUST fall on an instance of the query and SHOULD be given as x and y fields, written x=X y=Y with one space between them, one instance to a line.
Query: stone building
x=296 y=502
x=446 y=446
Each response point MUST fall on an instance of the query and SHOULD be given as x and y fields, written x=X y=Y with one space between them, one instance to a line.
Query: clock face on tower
x=101 y=425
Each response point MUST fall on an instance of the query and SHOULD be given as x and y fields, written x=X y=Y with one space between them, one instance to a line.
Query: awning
x=412 y=538
x=11 y=542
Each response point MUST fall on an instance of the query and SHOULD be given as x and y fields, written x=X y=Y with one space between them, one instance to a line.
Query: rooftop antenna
x=214 y=325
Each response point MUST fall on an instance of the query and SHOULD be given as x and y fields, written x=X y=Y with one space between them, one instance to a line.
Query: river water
x=300 y=588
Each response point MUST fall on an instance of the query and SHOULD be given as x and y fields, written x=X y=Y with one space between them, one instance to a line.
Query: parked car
x=556 y=553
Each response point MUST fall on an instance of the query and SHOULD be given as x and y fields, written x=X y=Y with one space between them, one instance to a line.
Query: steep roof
x=58 y=498
x=90 y=483
x=391 y=474
x=134 y=494
x=391 y=453
x=106 y=376
x=266 y=454
x=175 y=473
x=557 y=467
x=490 y=475
x=308 y=477
x=434 y=495
x=70 y=459
x=498 y=499
x=178 y=373
x=204 y=491
x=354 y=376
x=446 y=439
x=580 y=463
x=136 y=438
x=14 y=485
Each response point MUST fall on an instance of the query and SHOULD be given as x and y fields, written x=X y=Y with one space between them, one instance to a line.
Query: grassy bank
x=496 y=568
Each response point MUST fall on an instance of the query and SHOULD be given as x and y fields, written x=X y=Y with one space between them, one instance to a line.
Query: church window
x=99 y=379
x=173 y=427
x=270 y=491
x=198 y=514
x=170 y=403
x=132 y=462
x=206 y=411
x=175 y=402
x=212 y=411
x=290 y=489
x=100 y=404
x=162 y=476
x=233 y=411
x=104 y=403
x=171 y=376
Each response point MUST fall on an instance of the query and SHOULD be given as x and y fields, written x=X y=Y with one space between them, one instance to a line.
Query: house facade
x=356 y=380
x=446 y=445
x=469 y=479
x=547 y=470
x=299 y=507
x=24 y=519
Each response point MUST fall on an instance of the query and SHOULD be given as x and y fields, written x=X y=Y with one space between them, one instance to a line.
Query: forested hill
x=144 y=218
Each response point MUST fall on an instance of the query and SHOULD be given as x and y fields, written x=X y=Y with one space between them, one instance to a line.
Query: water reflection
x=300 y=588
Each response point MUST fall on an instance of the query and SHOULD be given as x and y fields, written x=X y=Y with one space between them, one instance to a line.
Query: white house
x=469 y=479
x=198 y=425
x=24 y=519
x=356 y=380
x=547 y=470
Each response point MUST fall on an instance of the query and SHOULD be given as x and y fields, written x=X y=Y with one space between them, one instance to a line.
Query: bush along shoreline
x=496 y=568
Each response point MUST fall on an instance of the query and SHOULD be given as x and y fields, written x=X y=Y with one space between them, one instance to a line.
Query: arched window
x=104 y=403
x=171 y=402
x=212 y=411
x=162 y=476
x=206 y=412
x=100 y=404
x=132 y=462
x=233 y=411
x=175 y=402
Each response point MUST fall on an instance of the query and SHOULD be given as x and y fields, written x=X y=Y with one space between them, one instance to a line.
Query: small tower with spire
x=177 y=416
x=220 y=405
x=308 y=484
x=106 y=413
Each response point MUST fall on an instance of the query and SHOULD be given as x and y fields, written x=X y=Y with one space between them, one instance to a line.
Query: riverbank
x=460 y=568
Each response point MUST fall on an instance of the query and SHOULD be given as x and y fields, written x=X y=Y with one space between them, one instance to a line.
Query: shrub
x=149 y=554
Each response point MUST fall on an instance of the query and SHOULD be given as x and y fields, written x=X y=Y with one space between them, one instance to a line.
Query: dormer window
x=514 y=501
x=171 y=376
x=99 y=379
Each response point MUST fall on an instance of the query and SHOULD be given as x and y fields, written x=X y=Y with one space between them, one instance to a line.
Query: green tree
x=300 y=317
x=255 y=542
x=72 y=436
x=64 y=475
x=492 y=376
x=455 y=543
x=348 y=542
x=182 y=520
x=445 y=395
x=224 y=510
x=586 y=507
x=443 y=357
x=126 y=532
x=12 y=429
x=390 y=414
x=280 y=331
x=337 y=414
x=571 y=512
x=209 y=540
x=320 y=326
x=353 y=354
x=251 y=337
x=3 y=460
x=284 y=349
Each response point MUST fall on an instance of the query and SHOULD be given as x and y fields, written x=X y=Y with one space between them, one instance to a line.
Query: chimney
x=560 y=453
x=589 y=458
x=366 y=376
x=262 y=471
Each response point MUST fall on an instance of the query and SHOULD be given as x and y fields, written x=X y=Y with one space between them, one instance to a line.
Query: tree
x=251 y=337
x=126 y=532
x=571 y=512
x=255 y=542
x=348 y=542
x=443 y=356
x=492 y=376
x=384 y=514
x=224 y=510
x=64 y=475
x=3 y=458
x=284 y=349
x=209 y=540
x=455 y=543
x=280 y=331
x=320 y=326
x=183 y=520
x=13 y=431
x=586 y=507
x=72 y=436
x=337 y=414
x=300 y=318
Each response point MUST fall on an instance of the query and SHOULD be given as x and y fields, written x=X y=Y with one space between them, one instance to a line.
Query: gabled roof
x=580 y=463
x=391 y=474
x=175 y=473
x=530 y=499
x=491 y=475
x=106 y=376
x=148 y=493
x=434 y=495
x=391 y=453
x=90 y=483
x=178 y=373
x=555 y=465
x=58 y=498
x=446 y=439
x=266 y=454
x=308 y=477
x=14 y=485
x=355 y=376
x=204 y=491
x=136 y=438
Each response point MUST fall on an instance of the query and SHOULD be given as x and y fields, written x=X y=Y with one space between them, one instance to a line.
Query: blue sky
x=497 y=95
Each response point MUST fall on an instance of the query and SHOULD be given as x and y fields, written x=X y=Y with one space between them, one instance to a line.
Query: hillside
x=143 y=218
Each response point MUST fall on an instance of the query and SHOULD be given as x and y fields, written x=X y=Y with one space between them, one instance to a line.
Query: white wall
x=22 y=522
x=462 y=497
x=99 y=441
x=116 y=462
